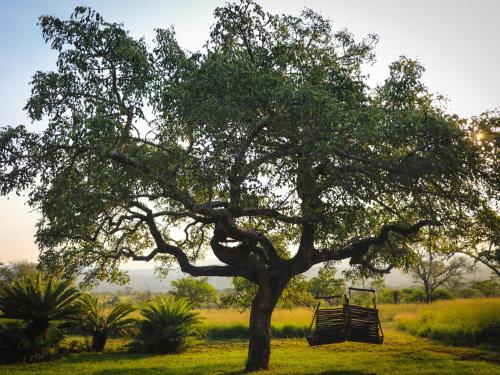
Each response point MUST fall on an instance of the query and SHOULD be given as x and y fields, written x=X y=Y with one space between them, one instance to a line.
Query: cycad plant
x=100 y=324
x=39 y=301
x=169 y=326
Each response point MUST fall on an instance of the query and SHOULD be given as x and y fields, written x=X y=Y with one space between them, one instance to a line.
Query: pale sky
x=457 y=41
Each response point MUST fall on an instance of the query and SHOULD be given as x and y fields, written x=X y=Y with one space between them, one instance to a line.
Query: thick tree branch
x=359 y=247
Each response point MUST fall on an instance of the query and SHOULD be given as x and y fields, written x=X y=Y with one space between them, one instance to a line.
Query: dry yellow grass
x=297 y=316
x=464 y=321
x=226 y=317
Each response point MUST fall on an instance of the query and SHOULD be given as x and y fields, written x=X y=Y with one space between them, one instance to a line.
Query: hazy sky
x=457 y=41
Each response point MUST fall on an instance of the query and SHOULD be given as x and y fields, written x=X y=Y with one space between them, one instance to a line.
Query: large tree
x=267 y=148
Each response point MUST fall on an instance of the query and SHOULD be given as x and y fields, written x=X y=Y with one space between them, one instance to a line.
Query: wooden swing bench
x=346 y=323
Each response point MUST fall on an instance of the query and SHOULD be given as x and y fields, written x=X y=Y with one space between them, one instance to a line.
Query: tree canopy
x=267 y=148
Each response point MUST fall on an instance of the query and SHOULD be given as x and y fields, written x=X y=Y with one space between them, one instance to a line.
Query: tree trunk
x=428 y=293
x=259 y=348
x=37 y=329
x=99 y=340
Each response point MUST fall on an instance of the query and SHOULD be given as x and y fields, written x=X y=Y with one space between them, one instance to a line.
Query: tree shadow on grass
x=203 y=370
x=165 y=370
x=340 y=372
x=120 y=356
x=103 y=357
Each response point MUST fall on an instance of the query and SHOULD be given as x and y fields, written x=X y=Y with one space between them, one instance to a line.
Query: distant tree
x=487 y=288
x=433 y=269
x=271 y=131
x=241 y=294
x=326 y=284
x=377 y=283
x=396 y=296
x=141 y=296
x=197 y=291
x=480 y=241
x=15 y=271
x=297 y=293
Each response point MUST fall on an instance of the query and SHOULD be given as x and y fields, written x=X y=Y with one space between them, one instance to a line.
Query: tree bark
x=99 y=341
x=259 y=348
x=38 y=329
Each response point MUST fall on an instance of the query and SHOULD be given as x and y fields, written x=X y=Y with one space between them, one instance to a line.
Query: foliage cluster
x=35 y=308
x=169 y=326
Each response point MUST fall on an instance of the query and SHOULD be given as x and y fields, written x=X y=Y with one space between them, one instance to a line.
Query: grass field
x=401 y=353
x=296 y=316
x=458 y=322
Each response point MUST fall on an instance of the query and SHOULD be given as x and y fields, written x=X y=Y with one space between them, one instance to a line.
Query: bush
x=12 y=334
x=386 y=295
x=39 y=301
x=441 y=294
x=17 y=346
x=169 y=326
x=412 y=295
x=101 y=324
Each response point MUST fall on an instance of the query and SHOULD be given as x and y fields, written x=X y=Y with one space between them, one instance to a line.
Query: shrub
x=441 y=294
x=12 y=334
x=101 y=324
x=412 y=295
x=38 y=302
x=169 y=326
x=16 y=346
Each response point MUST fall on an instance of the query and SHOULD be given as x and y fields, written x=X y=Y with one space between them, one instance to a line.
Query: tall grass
x=233 y=324
x=281 y=317
x=456 y=322
x=286 y=323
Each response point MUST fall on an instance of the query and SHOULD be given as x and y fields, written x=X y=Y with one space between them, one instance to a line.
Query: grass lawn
x=400 y=354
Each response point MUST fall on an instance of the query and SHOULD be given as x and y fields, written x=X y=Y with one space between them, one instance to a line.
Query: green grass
x=456 y=322
x=401 y=353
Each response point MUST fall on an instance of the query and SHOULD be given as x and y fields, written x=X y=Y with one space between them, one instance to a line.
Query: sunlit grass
x=460 y=322
x=296 y=316
x=400 y=354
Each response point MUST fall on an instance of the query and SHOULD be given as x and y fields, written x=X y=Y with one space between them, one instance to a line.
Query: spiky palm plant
x=169 y=325
x=100 y=324
x=39 y=301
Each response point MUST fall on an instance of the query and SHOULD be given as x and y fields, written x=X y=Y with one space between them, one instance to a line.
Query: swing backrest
x=349 y=322
x=363 y=323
